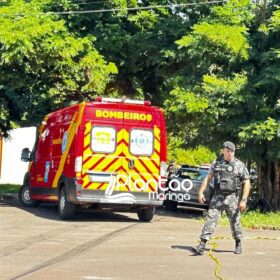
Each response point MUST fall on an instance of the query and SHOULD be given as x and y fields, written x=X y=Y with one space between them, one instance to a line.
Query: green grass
x=257 y=220
x=7 y=188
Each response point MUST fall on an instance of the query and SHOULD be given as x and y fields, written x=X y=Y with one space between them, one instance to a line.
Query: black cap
x=229 y=145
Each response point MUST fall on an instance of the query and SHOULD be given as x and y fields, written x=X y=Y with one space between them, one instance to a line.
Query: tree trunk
x=249 y=164
x=267 y=191
x=269 y=182
x=275 y=193
x=1 y=145
x=261 y=180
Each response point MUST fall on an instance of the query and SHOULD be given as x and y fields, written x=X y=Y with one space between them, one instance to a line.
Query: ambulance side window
x=103 y=139
x=35 y=147
x=141 y=142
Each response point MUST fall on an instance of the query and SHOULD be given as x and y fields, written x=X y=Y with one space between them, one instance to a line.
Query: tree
x=264 y=127
x=140 y=42
x=43 y=66
x=233 y=60
x=215 y=68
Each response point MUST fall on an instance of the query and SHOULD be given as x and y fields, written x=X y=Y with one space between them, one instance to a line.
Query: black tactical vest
x=227 y=178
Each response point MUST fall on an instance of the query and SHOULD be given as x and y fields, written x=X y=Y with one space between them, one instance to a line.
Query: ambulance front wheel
x=146 y=215
x=24 y=197
x=65 y=208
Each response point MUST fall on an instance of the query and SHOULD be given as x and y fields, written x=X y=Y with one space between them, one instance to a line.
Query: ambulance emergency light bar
x=122 y=100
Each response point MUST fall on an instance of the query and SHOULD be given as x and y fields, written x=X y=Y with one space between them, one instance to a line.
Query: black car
x=183 y=188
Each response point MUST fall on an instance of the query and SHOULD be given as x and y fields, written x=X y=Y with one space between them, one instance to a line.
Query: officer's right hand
x=201 y=198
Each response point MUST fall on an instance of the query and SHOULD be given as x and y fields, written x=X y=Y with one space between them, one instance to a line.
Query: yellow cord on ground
x=214 y=246
x=216 y=260
x=248 y=238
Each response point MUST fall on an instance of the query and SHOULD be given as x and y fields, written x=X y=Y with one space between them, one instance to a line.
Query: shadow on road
x=222 y=251
x=187 y=248
x=49 y=211
x=190 y=249
x=184 y=213
x=180 y=247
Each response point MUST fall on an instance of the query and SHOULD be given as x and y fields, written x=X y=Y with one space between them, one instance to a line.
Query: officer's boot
x=199 y=249
x=238 y=247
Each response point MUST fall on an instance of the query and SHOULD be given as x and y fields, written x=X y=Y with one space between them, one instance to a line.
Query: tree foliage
x=235 y=58
x=214 y=68
x=43 y=66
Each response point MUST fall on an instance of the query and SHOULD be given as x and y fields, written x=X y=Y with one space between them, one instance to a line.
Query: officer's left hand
x=242 y=205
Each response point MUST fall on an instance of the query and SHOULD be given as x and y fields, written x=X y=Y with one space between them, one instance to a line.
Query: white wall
x=13 y=169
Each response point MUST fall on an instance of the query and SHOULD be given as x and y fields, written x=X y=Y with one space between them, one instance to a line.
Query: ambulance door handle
x=131 y=163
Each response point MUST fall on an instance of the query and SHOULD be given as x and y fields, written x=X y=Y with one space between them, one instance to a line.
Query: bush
x=192 y=157
x=7 y=188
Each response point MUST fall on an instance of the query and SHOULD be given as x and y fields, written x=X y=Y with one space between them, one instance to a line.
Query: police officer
x=232 y=187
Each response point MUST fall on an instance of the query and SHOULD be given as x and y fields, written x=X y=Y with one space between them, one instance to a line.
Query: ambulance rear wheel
x=146 y=215
x=24 y=197
x=66 y=208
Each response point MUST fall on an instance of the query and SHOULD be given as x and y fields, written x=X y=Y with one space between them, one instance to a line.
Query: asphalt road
x=35 y=244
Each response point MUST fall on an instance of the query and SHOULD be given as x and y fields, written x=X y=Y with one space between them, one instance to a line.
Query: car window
x=202 y=175
x=193 y=174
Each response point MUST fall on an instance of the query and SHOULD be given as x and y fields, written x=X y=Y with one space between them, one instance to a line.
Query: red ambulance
x=110 y=153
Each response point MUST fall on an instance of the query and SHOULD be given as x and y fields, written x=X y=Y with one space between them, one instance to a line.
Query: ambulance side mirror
x=25 y=155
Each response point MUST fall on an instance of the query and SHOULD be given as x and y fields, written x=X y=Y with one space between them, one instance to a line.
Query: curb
x=8 y=196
